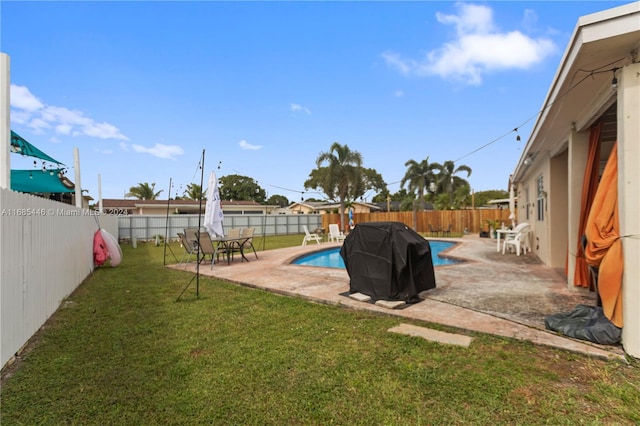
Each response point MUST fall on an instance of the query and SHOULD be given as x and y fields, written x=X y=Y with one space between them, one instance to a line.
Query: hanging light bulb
x=614 y=80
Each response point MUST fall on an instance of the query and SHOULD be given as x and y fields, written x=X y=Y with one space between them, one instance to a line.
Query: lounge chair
x=434 y=232
x=335 y=234
x=519 y=239
x=309 y=236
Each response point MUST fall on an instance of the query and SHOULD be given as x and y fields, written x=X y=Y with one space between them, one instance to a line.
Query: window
x=541 y=199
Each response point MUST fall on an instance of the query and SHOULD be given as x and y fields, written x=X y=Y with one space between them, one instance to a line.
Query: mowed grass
x=124 y=350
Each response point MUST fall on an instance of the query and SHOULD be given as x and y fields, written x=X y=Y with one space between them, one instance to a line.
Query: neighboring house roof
x=397 y=205
x=181 y=206
x=325 y=206
x=111 y=202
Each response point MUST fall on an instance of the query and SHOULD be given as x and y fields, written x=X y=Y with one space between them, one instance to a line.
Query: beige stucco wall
x=540 y=229
x=629 y=202
x=556 y=211
x=577 y=156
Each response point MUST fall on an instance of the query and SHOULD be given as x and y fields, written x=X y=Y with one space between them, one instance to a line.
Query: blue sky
x=142 y=88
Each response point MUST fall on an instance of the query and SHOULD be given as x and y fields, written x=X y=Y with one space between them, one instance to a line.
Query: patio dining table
x=228 y=245
x=506 y=233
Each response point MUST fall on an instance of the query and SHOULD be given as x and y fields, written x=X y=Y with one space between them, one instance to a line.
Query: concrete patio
x=504 y=295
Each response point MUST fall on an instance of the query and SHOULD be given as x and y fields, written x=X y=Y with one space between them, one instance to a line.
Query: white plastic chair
x=335 y=234
x=309 y=236
x=519 y=240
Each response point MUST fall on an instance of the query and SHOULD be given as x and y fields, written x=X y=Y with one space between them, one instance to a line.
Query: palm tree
x=344 y=169
x=448 y=181
x=143 y=191
x=194 y=192
x=418 y=177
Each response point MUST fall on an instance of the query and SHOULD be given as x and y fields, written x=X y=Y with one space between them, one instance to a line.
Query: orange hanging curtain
x=589 y=187
x=604 y=247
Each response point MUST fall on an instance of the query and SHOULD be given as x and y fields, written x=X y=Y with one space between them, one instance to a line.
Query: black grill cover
x=388 y=261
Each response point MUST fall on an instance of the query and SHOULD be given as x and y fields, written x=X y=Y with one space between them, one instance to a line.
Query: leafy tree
x=144 y=191
x=447 y=181
x=405 y=198
x=418 y=178
x=194 y=192
x=381 y=197
x=240 y=188
x=278 y=200
x=340 y=175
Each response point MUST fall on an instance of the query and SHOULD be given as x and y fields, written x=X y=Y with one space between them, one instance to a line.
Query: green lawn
x=123 y=351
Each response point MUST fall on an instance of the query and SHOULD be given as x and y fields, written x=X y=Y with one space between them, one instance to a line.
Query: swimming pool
x=331 y=258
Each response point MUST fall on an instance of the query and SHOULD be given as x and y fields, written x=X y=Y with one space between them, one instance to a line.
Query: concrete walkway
x=504 y=295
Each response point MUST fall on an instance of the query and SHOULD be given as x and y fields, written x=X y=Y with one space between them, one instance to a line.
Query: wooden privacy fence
x=472 y=220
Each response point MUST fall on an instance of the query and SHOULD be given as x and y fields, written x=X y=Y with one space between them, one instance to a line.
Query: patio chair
x=248 y=233
x=519 y=240
x=190 y=248
x=447 y=232
x=228 y=248
x=335 y=234
x=434 y=232
x=206 y=246
x=309 y=236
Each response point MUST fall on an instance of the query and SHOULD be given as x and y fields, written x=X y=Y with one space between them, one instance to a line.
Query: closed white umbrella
x=512 y=204
x=213 y=216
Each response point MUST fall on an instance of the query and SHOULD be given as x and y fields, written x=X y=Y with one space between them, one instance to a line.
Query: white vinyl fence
x=147 y=227
x=46 y=251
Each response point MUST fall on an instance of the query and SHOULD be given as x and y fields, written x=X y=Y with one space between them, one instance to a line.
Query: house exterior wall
x=556 y=210
x=629 y=202
x=529 y=190
x=578 y=154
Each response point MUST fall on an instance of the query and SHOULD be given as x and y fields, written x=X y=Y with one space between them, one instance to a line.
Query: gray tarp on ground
x=586 y=323
x=388 y=261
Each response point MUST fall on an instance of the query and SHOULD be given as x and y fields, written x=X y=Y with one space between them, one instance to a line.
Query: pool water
x=331 y=258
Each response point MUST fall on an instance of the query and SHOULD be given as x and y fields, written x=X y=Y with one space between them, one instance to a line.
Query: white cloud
x=103 y=151
x=23 y=99
x=300 y=108
x=245 y=145
x=478 y=48
x=160 y=150
x=29 y=111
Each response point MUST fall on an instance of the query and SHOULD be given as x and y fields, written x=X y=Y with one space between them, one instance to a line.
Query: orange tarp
x=604 y=247
x=589 y=187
